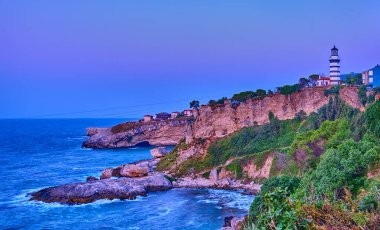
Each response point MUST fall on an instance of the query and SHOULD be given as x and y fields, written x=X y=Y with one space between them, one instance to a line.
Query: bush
x=253 y=140
x=342 y=167
x=334 y=90
x=372 y=118
x=362 y=94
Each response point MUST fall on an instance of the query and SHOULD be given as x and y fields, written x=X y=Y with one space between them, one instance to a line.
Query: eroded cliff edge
x=216 y=122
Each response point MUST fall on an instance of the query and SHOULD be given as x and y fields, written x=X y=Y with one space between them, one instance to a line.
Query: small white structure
x=148 y=118
x=323 y=81
x=174 y=115
x=334 y=67
x=188 y=113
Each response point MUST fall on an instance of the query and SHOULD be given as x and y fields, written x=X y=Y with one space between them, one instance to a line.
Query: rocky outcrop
x=159 y=152
x=131 y=170
x=160 y=133
x=234 y=222
x=225 y=183
x=87 y=192
x=106 y=174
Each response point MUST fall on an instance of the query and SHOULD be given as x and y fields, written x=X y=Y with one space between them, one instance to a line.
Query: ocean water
x=40 y=153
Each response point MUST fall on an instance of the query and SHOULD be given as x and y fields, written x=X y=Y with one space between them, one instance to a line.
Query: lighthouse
x=334 y=67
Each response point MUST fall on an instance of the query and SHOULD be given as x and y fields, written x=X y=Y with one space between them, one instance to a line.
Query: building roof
x=334 y=48
x=324 y=78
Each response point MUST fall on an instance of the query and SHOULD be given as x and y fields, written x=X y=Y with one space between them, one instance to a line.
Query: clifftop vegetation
x=325 y=170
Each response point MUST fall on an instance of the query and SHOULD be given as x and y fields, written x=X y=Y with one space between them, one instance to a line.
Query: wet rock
x=116 y=171
x=234 y=223
x=227 y=221
x=87 y=192
x=106 y=174
x=132 y=170
x=91 y=178
x=159 y=152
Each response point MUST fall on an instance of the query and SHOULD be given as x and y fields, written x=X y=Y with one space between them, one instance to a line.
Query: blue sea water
x=40 y=153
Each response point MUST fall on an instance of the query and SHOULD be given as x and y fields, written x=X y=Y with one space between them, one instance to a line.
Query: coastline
x=113 y=185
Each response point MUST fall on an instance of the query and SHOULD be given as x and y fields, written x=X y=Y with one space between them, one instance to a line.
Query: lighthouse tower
x=334 y=67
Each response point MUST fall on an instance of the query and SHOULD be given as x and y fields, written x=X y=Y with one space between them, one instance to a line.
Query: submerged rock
x=91 y=178
x=87 y=192
x=132 y=170
x=159 y=152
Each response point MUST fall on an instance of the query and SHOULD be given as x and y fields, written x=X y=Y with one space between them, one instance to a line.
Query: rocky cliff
x=224 y=120
x=215 y=122
x=130 y=134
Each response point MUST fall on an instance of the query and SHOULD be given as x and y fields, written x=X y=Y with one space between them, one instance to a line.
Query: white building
x=188 y=113
x=334 y=67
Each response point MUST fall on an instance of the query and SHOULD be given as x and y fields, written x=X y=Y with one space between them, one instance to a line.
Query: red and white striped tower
x=334 y=67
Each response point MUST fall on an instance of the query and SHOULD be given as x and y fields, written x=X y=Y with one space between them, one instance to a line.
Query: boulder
x=106 y=174
x=91 y=178
x=131 y=170
x=87 y=192
x=159 y=152
x=116 y=171
x=214 y=175
x=234 y=223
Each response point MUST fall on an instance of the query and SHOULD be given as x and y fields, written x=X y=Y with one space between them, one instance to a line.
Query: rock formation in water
x=136 y=179
x=90 y=191
x=160 y=133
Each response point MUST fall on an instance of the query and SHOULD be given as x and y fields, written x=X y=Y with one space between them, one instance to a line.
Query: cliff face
x=224 y=120
x=219 y=121
x=153 y=133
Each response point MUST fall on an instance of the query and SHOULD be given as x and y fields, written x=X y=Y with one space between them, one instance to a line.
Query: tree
x=304 y=82
x=243 y=96
x=194 y=104
x=221 y=101
x=313 y=79
x=362 y=94
x=260 y=92
x=270 y=92
x=372 y=118
x=289 y=89
x=343 y=167
x=212 y=103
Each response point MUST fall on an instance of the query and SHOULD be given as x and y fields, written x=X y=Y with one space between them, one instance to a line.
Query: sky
x=100 y=59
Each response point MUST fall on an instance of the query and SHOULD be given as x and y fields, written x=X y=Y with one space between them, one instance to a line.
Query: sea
x=40 y=153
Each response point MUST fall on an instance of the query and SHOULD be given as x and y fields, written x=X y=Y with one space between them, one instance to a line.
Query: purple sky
x=125 y=59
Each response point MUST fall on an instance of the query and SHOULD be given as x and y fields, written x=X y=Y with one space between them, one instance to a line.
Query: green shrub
x=289 y=89
x=342 y=167
x=206 y=175
x=372 y=118
x=171 y=179
x=253 y=140
x=334 y=90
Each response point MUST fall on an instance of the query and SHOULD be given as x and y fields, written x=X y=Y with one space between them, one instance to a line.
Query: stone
x=214 y=175
x=91 y=178
x=159 y=152
x=106 y=174
x=116 y=171
x=131 y=170
x=87 y=192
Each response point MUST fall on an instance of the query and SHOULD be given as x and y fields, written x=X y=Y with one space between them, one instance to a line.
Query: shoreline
x=112 y=185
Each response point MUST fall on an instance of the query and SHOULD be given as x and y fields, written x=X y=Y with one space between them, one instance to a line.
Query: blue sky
x=130 y=58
